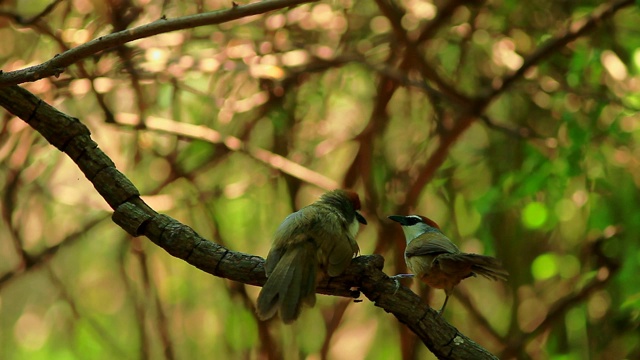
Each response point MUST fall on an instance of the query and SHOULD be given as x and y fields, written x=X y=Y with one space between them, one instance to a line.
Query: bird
x=319 y=238
x=436 y=261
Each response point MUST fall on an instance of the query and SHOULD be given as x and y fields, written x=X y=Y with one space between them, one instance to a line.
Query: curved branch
x=57 y=64
x=558 y=42
x=137 y=218
x=475 y=108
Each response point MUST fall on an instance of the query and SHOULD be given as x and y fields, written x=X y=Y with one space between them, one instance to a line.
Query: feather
x=291 y=283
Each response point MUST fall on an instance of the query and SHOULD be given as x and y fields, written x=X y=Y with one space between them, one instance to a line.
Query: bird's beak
x=398 y=219
x=361 y=218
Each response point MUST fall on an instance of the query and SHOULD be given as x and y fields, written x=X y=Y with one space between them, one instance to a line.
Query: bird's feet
x=402 y=276
x=396 y=279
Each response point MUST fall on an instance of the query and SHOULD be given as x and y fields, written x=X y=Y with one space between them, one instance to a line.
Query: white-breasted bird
x=437 y=261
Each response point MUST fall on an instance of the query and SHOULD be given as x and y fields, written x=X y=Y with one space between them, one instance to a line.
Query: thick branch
x=137 y=218
x=56 y=66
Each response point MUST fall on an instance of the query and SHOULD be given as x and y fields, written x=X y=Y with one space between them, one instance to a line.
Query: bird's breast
x=354 y=227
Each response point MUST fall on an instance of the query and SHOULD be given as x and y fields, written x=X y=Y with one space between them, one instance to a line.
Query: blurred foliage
x=546 y=178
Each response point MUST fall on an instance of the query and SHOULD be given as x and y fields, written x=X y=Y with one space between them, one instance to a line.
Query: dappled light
x=512 y=125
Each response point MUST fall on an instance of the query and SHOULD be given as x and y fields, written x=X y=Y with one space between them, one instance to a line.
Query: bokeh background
x=477 y=114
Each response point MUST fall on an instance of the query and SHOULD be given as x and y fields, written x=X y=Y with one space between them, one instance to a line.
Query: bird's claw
x=402 y=276
x=396 y=279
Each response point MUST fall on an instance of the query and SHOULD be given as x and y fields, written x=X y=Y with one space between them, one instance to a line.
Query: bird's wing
x=322 y=226
x=337 y=246
x=464 y=265
x=289 y=233
x=431 y=243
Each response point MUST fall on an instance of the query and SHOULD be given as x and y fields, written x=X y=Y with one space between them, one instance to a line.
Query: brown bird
x=318 y=236
x=438 y=262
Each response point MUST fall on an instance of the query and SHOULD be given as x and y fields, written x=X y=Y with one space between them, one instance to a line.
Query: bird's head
x=415 y=225
x=347 y=201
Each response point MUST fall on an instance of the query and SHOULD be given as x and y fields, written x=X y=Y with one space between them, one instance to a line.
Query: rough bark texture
x=72 y=137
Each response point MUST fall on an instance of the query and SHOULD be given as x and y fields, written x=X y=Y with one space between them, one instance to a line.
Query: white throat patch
x=354 y=227
x=413 y=231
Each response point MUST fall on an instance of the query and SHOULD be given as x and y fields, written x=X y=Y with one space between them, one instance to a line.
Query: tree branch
x=19 y=19
x=57 y=64
x=38 y=260
x=232 y=143
x=607 y=268
x=475 y=109
x=558 y=42
x=69 y=135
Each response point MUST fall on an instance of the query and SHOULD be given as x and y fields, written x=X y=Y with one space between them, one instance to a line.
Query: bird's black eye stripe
x=413 y=219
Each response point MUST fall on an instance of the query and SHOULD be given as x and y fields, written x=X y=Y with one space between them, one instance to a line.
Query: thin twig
x=102 y=334
x=138 y=306
x=197 y=132
x=520 y=133
x=607 y=266
x=41 y=258
x=60 y=62
x=558 y=42
x=475 y=109
x=332 y=325
x=26 y=22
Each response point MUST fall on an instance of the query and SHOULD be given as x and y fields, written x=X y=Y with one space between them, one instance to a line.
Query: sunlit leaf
x=534 y=215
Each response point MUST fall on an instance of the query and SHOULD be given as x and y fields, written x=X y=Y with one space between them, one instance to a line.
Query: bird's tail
x=291 y=284
x=487 y=266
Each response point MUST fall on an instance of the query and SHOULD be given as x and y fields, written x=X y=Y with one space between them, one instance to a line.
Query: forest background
x=512 y=124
